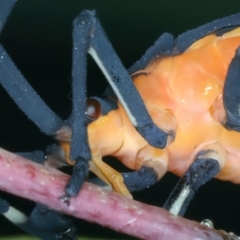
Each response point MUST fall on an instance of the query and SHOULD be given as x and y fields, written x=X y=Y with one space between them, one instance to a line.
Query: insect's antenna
x=19 y=89
x=25 y=96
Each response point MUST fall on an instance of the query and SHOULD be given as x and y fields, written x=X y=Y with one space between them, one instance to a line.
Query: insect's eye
x=93 y=109
x=97 y=107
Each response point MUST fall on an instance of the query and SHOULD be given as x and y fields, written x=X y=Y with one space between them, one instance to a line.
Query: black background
x=38 y=38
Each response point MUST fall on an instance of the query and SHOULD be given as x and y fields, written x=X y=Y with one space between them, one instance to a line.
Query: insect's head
x=104 y=127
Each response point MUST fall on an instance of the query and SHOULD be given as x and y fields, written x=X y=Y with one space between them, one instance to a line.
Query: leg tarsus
x=80 y=172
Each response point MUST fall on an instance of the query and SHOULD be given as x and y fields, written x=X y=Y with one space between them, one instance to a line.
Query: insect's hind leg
x=207 y=164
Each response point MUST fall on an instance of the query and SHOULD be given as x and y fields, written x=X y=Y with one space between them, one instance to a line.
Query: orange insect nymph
x=176 y=109
x=184 y=96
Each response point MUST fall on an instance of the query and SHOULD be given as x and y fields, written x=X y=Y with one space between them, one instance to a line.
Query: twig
x=45 y=185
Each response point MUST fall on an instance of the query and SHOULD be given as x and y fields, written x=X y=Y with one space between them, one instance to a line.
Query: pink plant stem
x=45 y=185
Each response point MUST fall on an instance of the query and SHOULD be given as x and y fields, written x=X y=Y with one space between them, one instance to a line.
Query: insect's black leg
x=6 y=7
x=80 y=151
x=231 y=94
x=201 y=171
x=88 y=36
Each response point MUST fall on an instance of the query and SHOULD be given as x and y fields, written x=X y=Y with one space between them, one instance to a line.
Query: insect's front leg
x=88 y=36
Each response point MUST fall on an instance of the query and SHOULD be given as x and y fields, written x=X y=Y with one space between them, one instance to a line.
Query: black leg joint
x=153 y=135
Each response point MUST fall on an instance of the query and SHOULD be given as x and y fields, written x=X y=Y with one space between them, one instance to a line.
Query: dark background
x=38 y=38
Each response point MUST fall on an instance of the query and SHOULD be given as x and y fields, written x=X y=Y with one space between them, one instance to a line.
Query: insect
x=206 y=134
